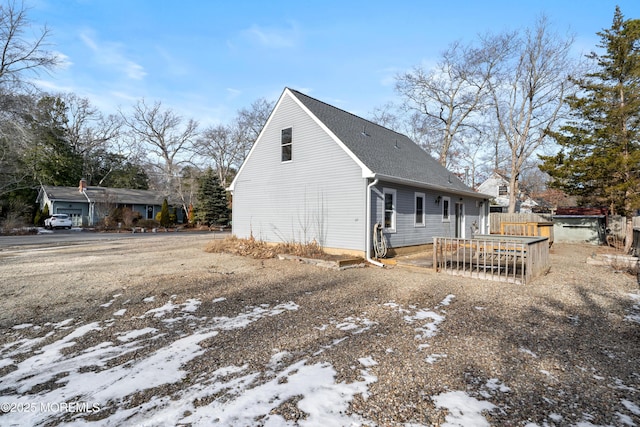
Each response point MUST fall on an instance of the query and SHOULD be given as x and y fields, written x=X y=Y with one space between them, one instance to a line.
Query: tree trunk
x=628 y=239
x=513 y=194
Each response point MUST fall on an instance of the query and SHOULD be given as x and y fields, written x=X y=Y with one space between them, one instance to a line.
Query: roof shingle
x=383 y=151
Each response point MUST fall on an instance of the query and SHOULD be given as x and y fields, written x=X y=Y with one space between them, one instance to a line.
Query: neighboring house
x=319 y=173
x=89 y=205
x=497 y=186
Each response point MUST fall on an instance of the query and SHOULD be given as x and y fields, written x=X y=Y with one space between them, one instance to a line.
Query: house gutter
x=433 y=187
x=368 y=233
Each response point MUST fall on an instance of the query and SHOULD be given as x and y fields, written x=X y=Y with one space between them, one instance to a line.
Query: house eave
x=413 y=183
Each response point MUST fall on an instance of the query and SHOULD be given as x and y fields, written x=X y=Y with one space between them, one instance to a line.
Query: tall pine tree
x=211 y=208
x=599 y=159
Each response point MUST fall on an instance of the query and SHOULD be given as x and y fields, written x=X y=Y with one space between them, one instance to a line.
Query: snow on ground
x=634 y=315
x=463 y=409
x=94 y=380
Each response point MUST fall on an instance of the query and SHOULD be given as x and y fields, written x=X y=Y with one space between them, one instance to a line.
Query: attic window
x=286 y=144
x=502 y=190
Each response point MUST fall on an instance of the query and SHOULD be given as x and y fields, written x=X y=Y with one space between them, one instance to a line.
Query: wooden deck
x=512 y=259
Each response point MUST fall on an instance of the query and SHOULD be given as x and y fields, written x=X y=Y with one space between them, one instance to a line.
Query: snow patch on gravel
x=463 y=409
x=96 y=378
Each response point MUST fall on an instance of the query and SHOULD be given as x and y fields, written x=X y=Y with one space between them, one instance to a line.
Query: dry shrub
x=305 y=250
x=261 y=250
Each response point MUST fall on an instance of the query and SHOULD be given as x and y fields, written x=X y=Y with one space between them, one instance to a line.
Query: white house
x=497 y=186
x=319 y=173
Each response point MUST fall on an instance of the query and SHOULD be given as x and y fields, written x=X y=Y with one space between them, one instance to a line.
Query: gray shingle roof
x=99 y=194
x=383 y=151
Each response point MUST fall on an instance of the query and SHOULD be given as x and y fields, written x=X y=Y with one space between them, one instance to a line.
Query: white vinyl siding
x=407 y=233
x=319 y=195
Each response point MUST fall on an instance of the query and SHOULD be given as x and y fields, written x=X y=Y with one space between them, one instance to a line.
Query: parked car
x=58 y=221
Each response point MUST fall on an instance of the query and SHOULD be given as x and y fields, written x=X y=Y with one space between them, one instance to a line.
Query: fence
x=616 y=225
x=492 y=257
x=495 y=219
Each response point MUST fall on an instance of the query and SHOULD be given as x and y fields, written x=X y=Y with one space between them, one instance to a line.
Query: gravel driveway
x=158 y=331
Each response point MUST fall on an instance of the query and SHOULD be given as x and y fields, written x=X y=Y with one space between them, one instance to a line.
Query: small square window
x=502 y=190
x=287 y=145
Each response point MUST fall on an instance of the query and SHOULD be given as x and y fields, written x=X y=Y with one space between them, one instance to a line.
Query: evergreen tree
x=212 y=200
x=37 y=219
x=599 y=160
x=53 y=159
x=106 y=169
x=165 y=220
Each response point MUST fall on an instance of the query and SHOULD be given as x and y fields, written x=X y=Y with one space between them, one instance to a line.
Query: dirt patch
x=560 y=351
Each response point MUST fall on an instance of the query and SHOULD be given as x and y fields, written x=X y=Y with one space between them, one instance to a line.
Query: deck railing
x=513 y=259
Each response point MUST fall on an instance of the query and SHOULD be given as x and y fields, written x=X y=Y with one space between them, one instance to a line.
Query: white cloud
x=173 y=65
x=388 y=76
x=134 y=71
x=88 y=41
x=273 y=38
x=124 y=96
x=233 y=93
x=111 y=54
x=63 y=61
x=51 y=87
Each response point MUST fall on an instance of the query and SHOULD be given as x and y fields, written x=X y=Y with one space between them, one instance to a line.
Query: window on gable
x=445 y=209
x=502 y=190
x=389 y=210
x=419 y=209
x=286 y=144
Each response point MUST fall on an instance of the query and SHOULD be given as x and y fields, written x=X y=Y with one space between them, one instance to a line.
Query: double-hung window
x=286 y=142
x=446 y=201
x=419 y=209
x=389 y=210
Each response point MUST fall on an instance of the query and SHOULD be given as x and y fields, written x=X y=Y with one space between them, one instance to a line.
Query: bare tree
x=15 y=141
x=88 y=130
x=447 y=97
x=21 y=52
x=528 y=93
x=227 y=146
x=165 y=135
x=251 y=121
x=411 y=123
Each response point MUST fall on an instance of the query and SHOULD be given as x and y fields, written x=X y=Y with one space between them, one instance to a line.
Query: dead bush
x=261 y=250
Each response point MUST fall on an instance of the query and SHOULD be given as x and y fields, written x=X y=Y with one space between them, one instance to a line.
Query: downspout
x=368 y=233
x=90 y=208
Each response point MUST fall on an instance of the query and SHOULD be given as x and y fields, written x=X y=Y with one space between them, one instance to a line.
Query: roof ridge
x=347 y=112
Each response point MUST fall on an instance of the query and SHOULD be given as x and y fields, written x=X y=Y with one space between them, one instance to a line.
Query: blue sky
x=207 y=59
